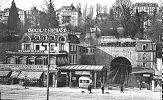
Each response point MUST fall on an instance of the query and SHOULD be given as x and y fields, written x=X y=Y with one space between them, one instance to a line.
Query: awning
x=4 y=73
x=142 y=70
x=30 y=75
x=15 y=74
x=82 y=67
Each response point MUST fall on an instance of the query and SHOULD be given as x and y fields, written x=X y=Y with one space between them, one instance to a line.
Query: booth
x=84 y=81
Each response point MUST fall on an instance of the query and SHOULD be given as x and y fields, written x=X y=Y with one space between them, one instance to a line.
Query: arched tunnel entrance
x=120 y=68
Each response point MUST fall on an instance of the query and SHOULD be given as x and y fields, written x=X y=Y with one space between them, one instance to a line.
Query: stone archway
x=120 y=68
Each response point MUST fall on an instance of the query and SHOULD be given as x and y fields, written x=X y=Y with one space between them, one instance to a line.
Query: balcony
x=23 y=67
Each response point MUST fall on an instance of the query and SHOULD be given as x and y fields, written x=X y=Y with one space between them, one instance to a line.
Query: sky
x=40 y=4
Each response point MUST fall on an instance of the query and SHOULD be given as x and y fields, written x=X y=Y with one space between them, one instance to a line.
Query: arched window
x=22 y=60
x=31 y=61
x=62 y=39
x=26 y=39
x=44 y=38
x=62 y=43
x=37 y=38
x=40 y=61
x=11 y=60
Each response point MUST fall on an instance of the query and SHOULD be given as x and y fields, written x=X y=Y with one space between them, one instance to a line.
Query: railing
x=39 y=51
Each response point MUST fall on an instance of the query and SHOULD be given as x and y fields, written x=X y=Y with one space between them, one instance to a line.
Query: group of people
x=102 y=88
x=90 y=89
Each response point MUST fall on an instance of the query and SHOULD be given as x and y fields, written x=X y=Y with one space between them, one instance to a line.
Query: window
x=37 y=37
x=11 y=60
x=73 y=47
x=144 y=64
x=144 y=57
x=52 y=47
x=52 y=61
x=31 y=61
x=56 y=44
x=22 y=60
x=52 y=37
x=43 y=37
x=73 y=58
x=92 y=50
x=62 y=46
x=37 y=47
x=27 y=46
x=145 y=46
x=45 y=46
x=40 y=61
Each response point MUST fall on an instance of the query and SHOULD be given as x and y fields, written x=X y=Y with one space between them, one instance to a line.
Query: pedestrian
x=89 y=88
x=121 y=88
x=102 y=88
x=139 y=85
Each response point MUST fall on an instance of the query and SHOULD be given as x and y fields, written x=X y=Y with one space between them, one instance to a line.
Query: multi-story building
x=69 y=14
x=146 y=7
x=30 y=63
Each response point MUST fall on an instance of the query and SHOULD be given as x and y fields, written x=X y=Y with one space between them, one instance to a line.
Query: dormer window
x=62 y=39
x=43 y=37
x=37 y=37
x=52 y=37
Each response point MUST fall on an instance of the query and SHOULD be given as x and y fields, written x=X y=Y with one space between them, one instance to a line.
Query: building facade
x=69 y=14
x=146 y=7
x=30 y=63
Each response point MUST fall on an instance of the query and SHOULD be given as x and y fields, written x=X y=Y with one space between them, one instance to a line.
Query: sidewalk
x=19 y=92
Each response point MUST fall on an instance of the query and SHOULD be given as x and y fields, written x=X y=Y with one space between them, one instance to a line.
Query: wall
x=104 y=55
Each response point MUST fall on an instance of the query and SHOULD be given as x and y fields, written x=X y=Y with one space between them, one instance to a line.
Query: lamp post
x=48 y=64
x=48 y=67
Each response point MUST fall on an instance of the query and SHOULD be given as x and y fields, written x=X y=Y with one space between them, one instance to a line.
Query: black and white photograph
x=81 y=49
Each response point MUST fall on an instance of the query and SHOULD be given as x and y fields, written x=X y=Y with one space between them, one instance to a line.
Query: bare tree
x=105 y=9
x=123 y=11
x=98 y=8
x=91 y=10
x=85 y=11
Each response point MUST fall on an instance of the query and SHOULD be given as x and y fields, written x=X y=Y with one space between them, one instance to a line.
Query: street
x=17 y=92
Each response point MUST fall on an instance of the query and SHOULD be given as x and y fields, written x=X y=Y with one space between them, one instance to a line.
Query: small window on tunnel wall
x=144 y=64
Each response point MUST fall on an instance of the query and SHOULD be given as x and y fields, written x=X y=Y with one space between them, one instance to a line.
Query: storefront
x=5 y=76
x=29 y=75
x=143 y=76
x=81 y=75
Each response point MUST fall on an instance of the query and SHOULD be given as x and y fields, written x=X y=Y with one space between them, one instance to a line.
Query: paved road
x=17 y=92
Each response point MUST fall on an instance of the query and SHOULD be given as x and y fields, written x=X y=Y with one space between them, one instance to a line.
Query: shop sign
x=63 y=72
x=82 y=72
x=123 y=53
x=57 y=30
x=146 y=75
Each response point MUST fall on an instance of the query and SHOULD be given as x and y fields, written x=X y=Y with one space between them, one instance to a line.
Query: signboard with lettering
x=82 y=72
x=146 y=75
x=122 y=53
x=57 y=30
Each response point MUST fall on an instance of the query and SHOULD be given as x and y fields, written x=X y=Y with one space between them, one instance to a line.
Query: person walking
x=89 y=88
x=102 y=88
x=140 y=85
x=121 y=88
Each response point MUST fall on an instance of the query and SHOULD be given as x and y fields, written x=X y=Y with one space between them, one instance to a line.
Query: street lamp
x=48 y=65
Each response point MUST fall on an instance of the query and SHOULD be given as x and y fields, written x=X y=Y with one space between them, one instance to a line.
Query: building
x=146 y=7
x=69 y=14
x=29 y=64
x=126 y=60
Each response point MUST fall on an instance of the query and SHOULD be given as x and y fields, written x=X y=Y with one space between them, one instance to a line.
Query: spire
x=13 y=2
